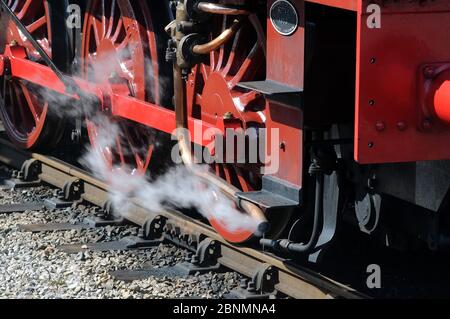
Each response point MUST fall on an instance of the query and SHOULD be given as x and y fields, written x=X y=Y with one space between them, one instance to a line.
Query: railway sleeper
x=102 y=219
x=126 y=243
x=20 y=208
x=204 y=260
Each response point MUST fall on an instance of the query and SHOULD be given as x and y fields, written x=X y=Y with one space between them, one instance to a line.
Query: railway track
x=269 y=274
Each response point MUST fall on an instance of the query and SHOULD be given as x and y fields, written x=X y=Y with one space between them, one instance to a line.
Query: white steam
x=178 y=187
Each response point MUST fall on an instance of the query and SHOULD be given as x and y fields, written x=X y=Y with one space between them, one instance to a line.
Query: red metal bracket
x=127 y=107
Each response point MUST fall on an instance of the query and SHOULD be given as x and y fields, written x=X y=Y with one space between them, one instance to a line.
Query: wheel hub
x=217 y=99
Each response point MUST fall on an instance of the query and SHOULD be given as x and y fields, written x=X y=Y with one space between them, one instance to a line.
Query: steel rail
x=293 y=280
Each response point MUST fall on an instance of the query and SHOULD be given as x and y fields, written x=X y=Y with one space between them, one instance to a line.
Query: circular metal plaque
x=284 y=17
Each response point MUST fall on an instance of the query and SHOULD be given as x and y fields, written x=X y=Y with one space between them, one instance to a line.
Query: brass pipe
x=216 y=43
x=183 y=144
x=221 y=9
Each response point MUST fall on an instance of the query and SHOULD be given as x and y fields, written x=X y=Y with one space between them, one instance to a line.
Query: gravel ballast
x=32 y=267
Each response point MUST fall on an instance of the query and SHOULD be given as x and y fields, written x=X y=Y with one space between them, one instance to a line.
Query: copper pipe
x=183 y=144
x=223 y=38
x=221 y=9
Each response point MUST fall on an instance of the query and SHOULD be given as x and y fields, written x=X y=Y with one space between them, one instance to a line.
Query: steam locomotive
x=351 y=98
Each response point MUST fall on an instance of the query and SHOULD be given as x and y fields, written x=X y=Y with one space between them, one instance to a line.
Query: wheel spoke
x=103 y=29
x=118 y=30
x=232 y=55
x=250 y=64
x=49 y=29
x=227 y=173
x=36 y=25
x=217 y=168
x=130 y=143
x=244 y=185
x=14 y=6
x=222 y=48
x=19 y=105
x=204 y=72
x=119 y=150
x=212 y=60
x=124 y=43
x=259 y=31
x=148 y=157
x=111 y=19
x=24 y=9
x=94 y=26
x=31 y=103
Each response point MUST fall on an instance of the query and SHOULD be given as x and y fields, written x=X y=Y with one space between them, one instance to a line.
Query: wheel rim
x=24 y=112
x=119 y=46
x=212 y=93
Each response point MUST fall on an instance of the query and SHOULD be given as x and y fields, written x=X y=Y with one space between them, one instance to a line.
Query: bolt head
x=380 y=126
x=402 y=126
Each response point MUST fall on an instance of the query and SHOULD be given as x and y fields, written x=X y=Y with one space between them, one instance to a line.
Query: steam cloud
x=178 y=187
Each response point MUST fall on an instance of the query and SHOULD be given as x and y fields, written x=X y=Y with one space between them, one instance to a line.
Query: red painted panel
x=389 y=123
x=281 y=48
x=343 y=4
x=288 y=121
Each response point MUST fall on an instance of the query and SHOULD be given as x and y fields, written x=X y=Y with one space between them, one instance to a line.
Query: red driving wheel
x=120 y=47
x=25 y=113
x=213 y=95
